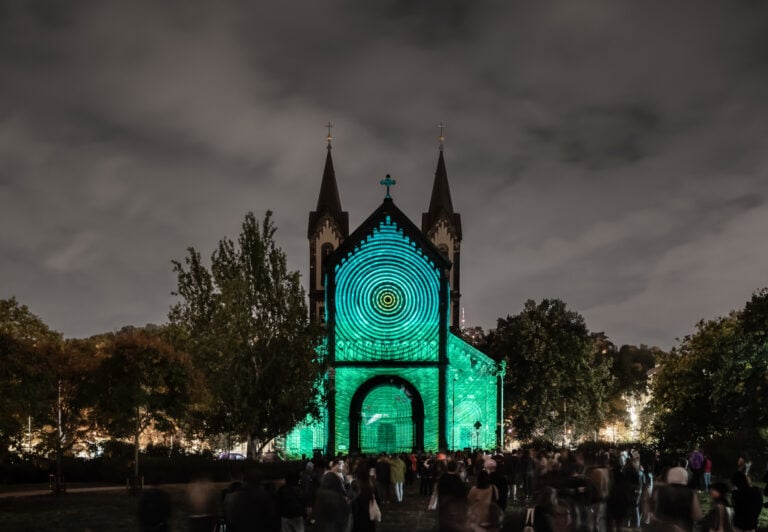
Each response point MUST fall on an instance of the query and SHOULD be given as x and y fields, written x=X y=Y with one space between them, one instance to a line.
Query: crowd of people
x=530 y=490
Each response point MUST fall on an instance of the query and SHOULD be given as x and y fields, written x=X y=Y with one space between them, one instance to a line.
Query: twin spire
x=329 y=201
x=441 y=194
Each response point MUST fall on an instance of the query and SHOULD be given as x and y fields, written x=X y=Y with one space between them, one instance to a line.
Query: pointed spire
x=441 y=192
x=329 y=201
x=440 y=204
x=329 y=192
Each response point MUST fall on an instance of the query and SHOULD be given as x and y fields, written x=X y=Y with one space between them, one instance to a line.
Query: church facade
x=400 y=379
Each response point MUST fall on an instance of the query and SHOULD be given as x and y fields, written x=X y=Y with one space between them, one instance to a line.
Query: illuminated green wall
x=385 y=351
x=387 y=300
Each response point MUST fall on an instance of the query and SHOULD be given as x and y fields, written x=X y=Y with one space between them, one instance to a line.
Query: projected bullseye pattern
x=387 y=291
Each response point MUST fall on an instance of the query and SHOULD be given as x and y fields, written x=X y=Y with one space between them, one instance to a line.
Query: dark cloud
x=611 y=153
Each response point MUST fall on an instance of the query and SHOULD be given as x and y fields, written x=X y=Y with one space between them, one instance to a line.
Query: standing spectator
x=480 y=499
x=290 y=504
x=720 y=515
x=600 y=484
x=411 y=469
x=620 y=496
x=331 y=511
x=695 y=463
x=383 y=477
x=677 y=505
x=528 y=472
x=250 y=507
x=451 y=500
x=707 y=473
x=747 y=503
x=547 y=513
x=426 y=482
x=498 y=480
x=360 y=506
x=744 y=463
x=307 y=483
x=512 y=470
x=397 y=475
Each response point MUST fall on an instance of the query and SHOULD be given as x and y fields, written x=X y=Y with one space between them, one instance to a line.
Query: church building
x=400 y=378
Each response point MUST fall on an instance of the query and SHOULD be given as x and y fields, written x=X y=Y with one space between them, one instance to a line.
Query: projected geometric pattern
x=472 y=390
x=387 y=423
x=350 y=379
x=388 y=369
x=388 y=296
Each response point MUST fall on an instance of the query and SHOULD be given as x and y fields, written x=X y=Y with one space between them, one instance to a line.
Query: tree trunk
x=136 y=446
x=59 y=435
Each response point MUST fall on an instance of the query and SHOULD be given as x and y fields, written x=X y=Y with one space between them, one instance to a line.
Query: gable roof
x=409 y=229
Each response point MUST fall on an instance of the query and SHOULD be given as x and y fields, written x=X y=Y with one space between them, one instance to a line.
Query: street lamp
x=477 y=432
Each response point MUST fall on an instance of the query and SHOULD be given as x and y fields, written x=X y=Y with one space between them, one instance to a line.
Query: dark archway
x=355 y=410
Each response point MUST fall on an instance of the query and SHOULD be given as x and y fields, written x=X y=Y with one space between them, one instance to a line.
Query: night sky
x=612 y=154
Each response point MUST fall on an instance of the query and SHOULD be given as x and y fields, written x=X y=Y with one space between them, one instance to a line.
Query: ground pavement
x=412 y=515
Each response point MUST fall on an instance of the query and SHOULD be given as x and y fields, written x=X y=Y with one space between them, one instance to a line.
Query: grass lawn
x=97 y=511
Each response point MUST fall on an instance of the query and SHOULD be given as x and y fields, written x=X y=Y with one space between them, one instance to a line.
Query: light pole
x=453 y=412
x=477 y=432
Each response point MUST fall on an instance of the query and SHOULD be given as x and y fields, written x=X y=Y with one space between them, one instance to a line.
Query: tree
x=142 y=380
x=25 y=342
x=245 y=321
x=629 y=371
x=683 y=407
x=557 y=379
x=69 y=370
x=713 y=384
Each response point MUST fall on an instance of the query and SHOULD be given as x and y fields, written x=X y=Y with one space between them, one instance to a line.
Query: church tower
x=442 y=227
x=327 y=229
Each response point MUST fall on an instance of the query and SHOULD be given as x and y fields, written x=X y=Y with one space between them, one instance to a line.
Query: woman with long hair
x=365 y=503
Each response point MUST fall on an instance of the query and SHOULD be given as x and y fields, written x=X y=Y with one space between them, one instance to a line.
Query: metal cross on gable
x=388 y=182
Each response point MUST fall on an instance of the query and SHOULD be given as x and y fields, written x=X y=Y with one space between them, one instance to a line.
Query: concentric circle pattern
x=387 y=293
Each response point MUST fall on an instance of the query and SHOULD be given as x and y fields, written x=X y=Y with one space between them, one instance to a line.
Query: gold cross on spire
x=329 y=138
x=441 y=138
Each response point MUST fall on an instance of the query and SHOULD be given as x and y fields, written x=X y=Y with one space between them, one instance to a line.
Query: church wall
x=387 y=301
x=349 y=379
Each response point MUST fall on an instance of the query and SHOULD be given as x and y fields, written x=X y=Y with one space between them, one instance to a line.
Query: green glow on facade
x=389 y=364
x=387 y=301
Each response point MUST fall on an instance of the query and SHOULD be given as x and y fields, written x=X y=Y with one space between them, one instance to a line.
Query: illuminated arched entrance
x=386 y=414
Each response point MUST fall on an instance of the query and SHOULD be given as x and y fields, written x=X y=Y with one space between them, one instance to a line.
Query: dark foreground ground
x=115 y=510
x=112 y=509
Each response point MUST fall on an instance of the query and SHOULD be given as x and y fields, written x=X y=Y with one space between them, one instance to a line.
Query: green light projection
x=387 y=300
x=387 y=310
x=349 y=379
x=387 y=422
x=472 y=397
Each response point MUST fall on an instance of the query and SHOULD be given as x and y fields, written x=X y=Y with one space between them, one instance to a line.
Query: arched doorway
x=386 y=414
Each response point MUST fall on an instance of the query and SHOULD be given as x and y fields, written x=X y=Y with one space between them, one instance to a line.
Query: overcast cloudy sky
x=610 y=153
